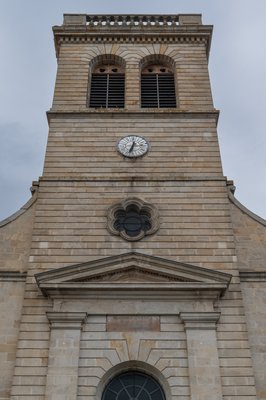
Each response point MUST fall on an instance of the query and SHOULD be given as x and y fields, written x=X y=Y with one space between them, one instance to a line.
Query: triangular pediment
x=133 y=272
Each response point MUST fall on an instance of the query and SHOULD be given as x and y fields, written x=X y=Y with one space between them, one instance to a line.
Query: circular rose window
x=133 y=219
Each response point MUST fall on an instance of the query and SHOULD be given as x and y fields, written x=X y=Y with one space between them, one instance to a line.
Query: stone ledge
x=12 y=276
x=130 y=178
x=200 y=320
x=252 y=276
x=124 y=112
x=66 y=320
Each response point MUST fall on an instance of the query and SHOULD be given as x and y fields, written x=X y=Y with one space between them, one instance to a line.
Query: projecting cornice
x=82 y=28
x=84 y=112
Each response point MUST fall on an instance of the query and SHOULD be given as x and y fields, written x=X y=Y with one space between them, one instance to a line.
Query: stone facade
x=184 y=305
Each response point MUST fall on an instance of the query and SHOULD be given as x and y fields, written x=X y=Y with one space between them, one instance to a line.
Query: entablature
x=83 y=28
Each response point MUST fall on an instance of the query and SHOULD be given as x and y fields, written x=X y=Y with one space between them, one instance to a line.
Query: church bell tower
x=132 y=284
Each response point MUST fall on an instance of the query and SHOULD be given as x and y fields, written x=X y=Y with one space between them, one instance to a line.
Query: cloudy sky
x=28 y=68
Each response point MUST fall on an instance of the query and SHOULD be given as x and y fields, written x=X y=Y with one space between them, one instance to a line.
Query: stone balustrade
x=132 y=20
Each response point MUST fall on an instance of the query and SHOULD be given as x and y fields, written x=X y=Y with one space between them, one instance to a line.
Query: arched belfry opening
x=107 y=82
x=158 y=88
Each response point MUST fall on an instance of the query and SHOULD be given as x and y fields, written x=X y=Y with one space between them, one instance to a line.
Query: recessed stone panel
x=132 y=323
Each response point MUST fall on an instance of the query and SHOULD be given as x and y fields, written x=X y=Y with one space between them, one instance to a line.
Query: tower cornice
x=180 y=28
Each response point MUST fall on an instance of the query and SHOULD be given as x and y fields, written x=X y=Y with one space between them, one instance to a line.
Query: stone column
x=203 y=361
x=62 y=375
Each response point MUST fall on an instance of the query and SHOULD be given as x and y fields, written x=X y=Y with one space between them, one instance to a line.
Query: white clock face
x=133 y=146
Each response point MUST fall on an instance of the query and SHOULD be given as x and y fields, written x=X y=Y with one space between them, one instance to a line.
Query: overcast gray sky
x=28 y=68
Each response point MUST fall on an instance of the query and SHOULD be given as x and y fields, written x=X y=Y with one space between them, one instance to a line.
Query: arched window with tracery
x=107 y=83
x=157 y=85
x=133 y=385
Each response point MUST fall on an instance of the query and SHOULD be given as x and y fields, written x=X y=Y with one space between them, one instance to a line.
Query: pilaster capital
x=66 y=320
x=200 y=320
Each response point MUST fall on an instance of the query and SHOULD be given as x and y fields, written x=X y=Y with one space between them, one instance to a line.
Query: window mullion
x=107 y=90
x=157 y=89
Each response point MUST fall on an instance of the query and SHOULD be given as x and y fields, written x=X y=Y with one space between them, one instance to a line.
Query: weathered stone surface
x=250 y=237
x=254 y=297
x=132 y=323
x=90 y=337
x=11 y=297
x=15 y=240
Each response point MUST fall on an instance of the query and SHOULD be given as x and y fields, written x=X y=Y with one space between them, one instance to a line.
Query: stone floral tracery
x=133 y=219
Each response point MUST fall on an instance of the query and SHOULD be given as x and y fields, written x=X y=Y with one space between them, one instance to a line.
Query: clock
x=133 y=146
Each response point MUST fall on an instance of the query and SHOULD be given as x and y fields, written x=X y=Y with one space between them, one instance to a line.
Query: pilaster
x=203 y=361
x=62 y=376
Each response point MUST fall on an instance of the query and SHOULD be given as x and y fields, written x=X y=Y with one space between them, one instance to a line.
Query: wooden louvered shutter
x=158 y=91
x=166 y=89
x=107 y=90
x=149 y=92
x=116 y=90
x=98 y=94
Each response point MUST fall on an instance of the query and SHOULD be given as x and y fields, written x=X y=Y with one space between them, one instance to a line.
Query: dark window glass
x=158 y=90
x=132 y=221
x=107 y=90
x=133 y=386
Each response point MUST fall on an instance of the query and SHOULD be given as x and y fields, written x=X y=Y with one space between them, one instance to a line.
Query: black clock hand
x=132 y=146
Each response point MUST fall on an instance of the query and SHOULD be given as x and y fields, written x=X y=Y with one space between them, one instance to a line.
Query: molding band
x=12 y=276
x=66 y=320
x=200 y=320
x=252 y=276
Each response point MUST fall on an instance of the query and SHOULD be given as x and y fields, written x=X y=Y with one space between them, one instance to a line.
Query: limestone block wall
x=15 y=239
x=11 y=300
x=70 y=344
x=235 y=356
x=166 y=351
x=250 y=238
x=84 y=175
x=254 y=295
x=164 y=348
x=181 y=146
x=71 y=222
x=15 y=244
x=108 y=339
x=29 y=375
